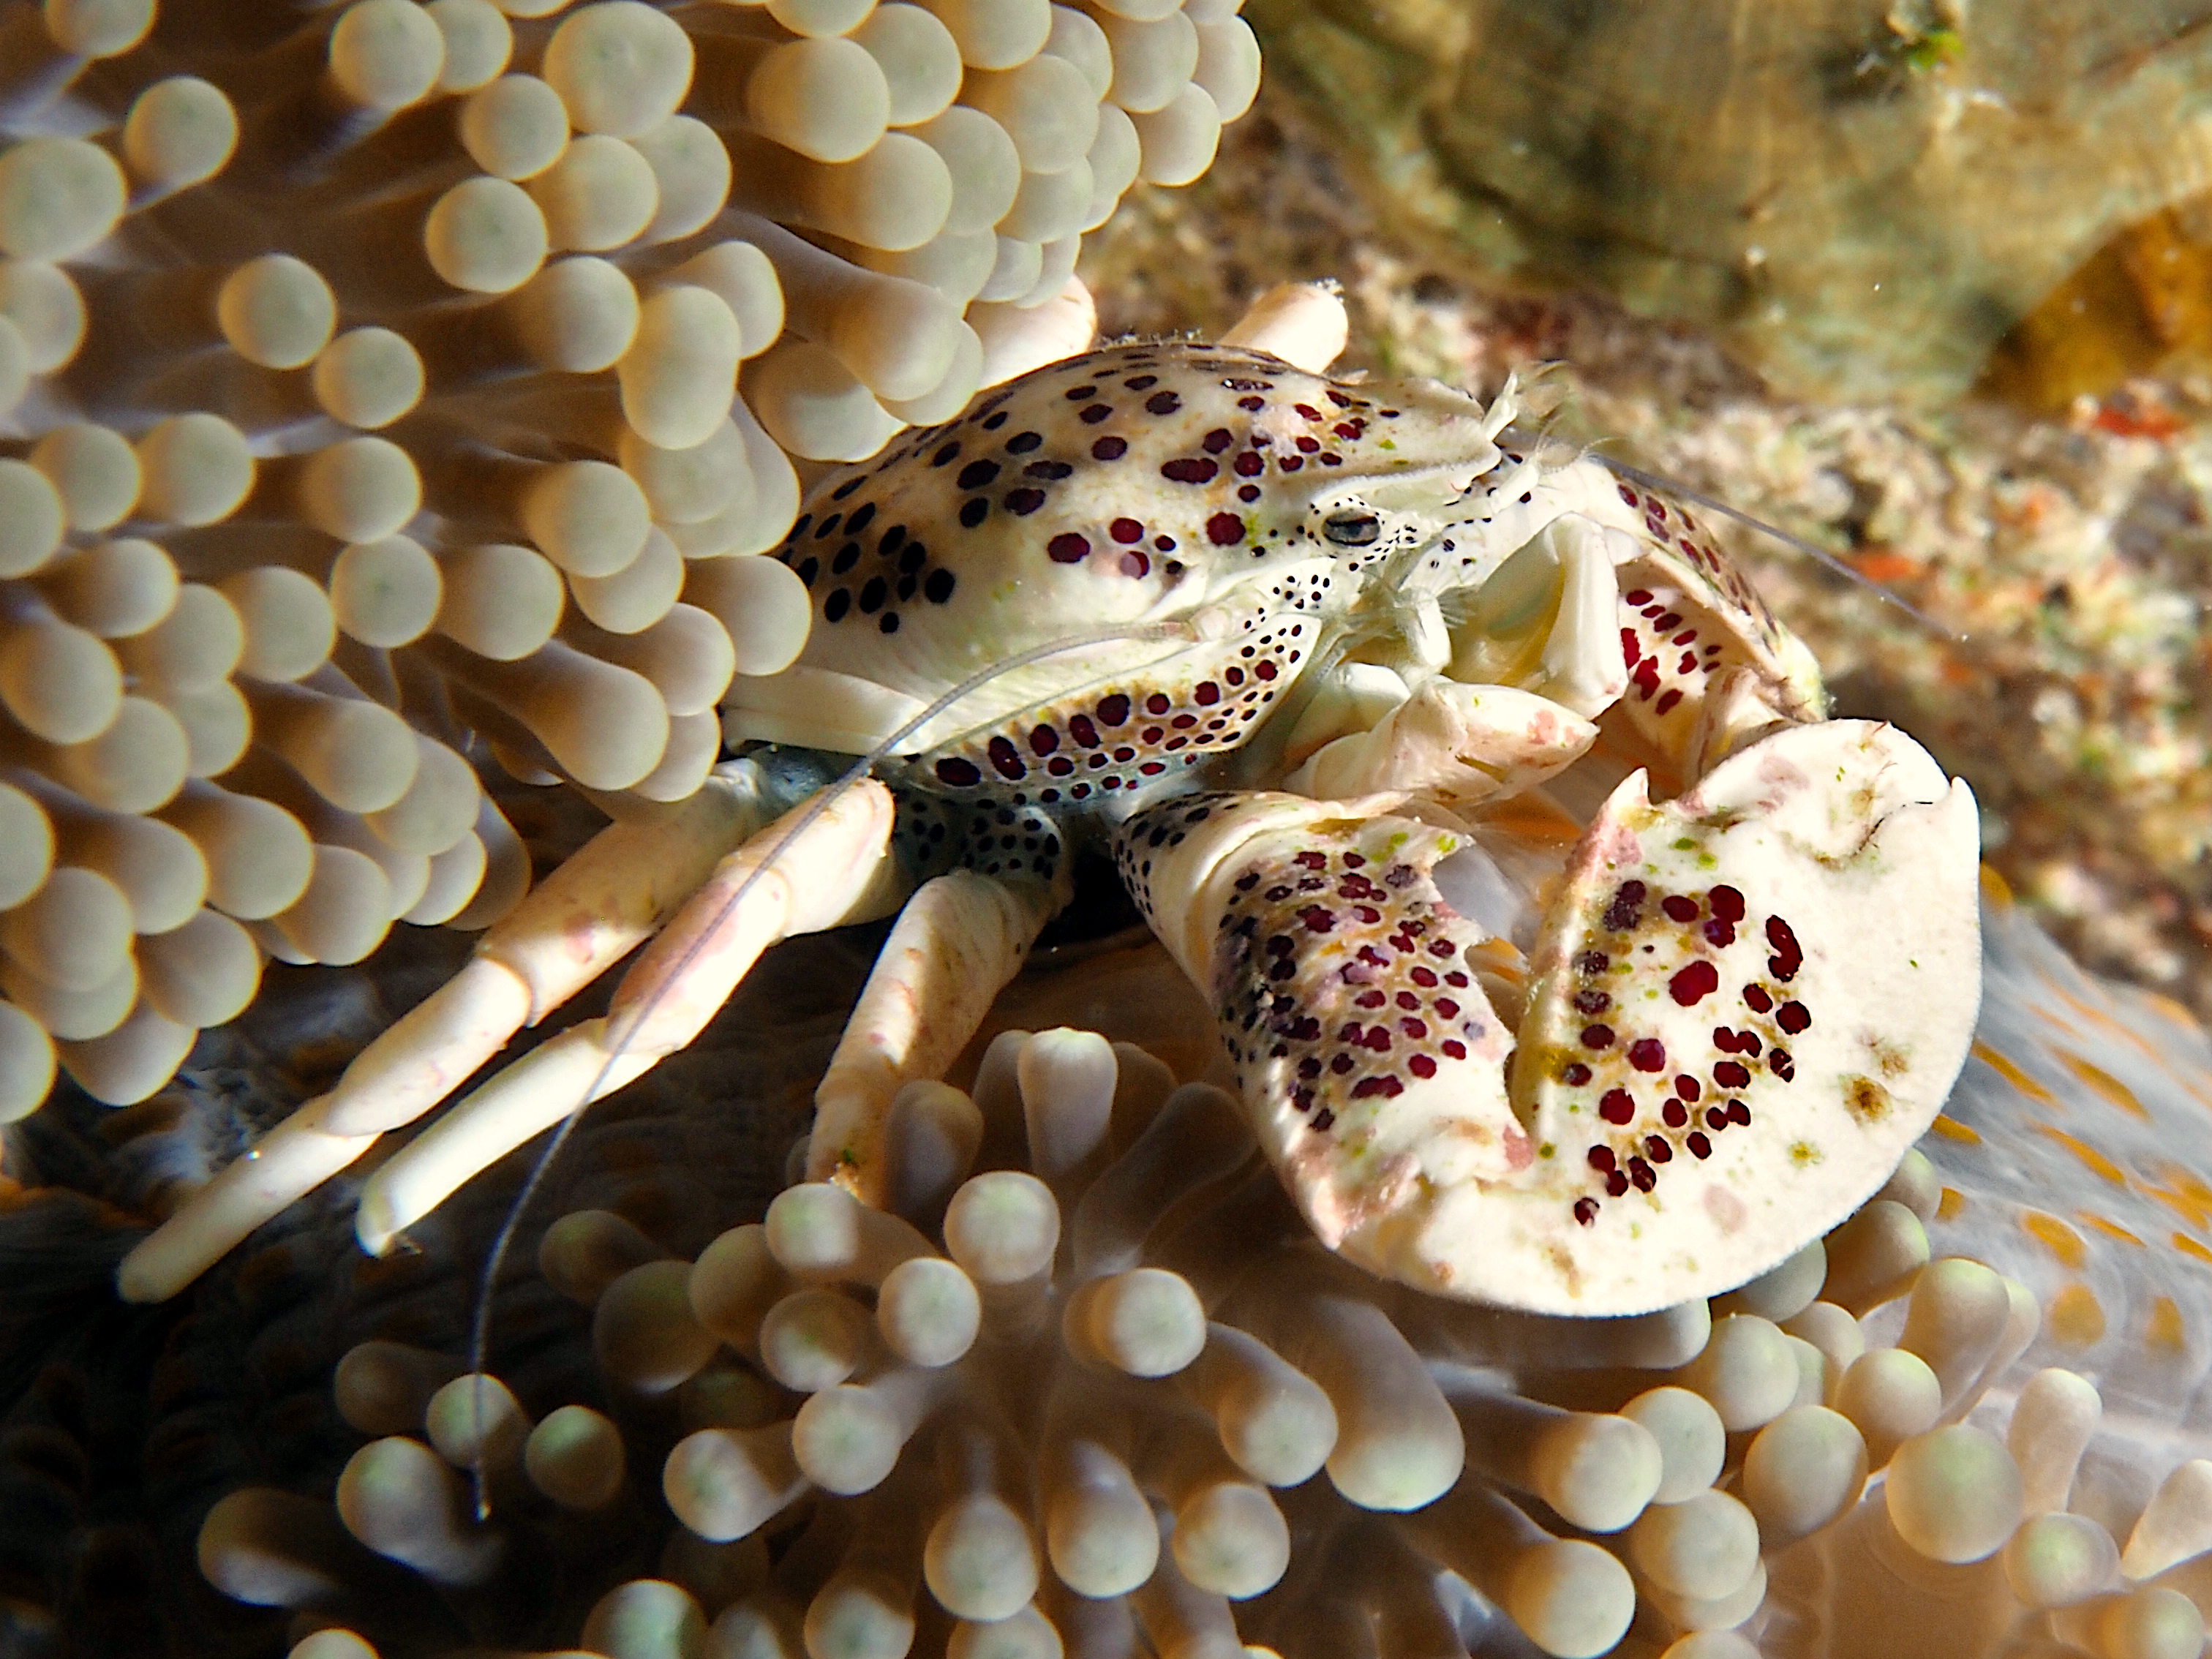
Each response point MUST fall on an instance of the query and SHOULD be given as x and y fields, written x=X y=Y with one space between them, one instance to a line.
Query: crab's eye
x=1352 y=528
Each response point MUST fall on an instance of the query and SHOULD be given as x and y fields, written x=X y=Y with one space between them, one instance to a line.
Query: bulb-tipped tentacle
x=959 y=940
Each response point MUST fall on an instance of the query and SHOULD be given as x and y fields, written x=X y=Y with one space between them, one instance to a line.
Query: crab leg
x=615 y=892
x=795 y=877
x=959 y=940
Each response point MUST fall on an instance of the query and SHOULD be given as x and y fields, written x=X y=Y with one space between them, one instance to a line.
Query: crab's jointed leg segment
x=613 y=895
x=821 y=864
x=959 y=942
x=615 y=892
x=1452 y=742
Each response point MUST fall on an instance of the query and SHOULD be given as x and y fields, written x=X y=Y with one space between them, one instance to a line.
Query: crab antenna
x=1812 y=550
x=480 y=1321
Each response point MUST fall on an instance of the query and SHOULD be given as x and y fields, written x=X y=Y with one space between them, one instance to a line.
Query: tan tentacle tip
x=1303 y=324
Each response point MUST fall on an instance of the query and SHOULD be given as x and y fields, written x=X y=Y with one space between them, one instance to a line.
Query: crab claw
x=1748 y=1002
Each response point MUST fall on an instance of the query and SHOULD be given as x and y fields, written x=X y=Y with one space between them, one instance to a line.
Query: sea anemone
x=370 y=404
x=1093 y=1389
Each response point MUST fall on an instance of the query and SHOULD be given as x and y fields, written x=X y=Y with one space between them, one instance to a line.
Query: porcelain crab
x=1567 y=957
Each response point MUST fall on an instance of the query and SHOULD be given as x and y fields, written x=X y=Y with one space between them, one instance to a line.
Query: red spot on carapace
x=1597 y=1036
x=1616 y=1106
x=1623 y=913
x=1648 y=1055
x=1125 y=529
x=1693 y=982
x=1067 y=548
x=1788 y=956
x=1225 y=530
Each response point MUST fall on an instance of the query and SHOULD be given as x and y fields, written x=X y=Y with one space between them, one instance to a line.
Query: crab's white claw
x=1451 y=742
x=1371 y=1063
x=1751 y=1000
x=1301 y=323
x=1343 y=699
x=793 y=877
x=1792 y=945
